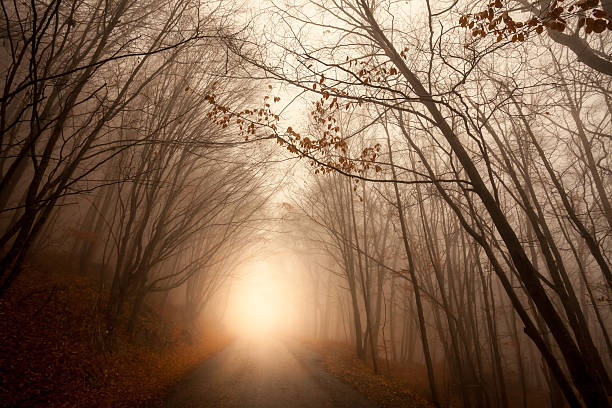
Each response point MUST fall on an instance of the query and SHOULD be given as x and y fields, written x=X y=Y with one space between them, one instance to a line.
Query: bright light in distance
x=258 y=302
x=259 y=310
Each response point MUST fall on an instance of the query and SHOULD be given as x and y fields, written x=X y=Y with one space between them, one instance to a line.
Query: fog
x=425 y=186
x=264 y=300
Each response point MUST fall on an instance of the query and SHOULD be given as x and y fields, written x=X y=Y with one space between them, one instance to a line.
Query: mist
x=306 y=203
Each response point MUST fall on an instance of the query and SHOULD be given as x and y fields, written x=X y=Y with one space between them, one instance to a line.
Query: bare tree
x=444 y=97
x=70 y=70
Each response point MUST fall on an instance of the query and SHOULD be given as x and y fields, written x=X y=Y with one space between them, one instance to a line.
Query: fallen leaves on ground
x=392 y=390
x=48 y=355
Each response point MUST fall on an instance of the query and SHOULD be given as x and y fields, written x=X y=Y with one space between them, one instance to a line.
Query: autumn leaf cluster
x=328 y=151
x=496 y=20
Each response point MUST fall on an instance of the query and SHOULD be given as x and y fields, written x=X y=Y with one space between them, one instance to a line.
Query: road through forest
x=263 y=373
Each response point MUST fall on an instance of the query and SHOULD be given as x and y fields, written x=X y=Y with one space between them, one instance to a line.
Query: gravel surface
x=264 y=373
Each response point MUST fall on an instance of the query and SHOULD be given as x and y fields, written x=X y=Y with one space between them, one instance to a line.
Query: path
x=253 y=373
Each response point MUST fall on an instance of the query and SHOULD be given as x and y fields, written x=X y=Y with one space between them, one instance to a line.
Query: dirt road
x=258 y=373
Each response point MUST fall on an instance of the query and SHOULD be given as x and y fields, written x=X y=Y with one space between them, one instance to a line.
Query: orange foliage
x=83 y=235
x=496 y=20
x=394 y=389
x=262 y=123
x=48 y=356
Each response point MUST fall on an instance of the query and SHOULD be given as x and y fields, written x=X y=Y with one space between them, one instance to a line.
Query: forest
x=411 y=194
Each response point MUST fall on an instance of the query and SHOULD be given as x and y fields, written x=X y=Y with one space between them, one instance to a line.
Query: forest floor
x=399 y=385
x=51 y=356
x=396 y=386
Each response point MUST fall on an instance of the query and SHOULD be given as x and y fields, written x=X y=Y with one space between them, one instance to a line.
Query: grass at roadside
x=393 y=389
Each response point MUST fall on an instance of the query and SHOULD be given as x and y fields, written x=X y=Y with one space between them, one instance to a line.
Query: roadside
x=393 y=388
x=50 y=351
